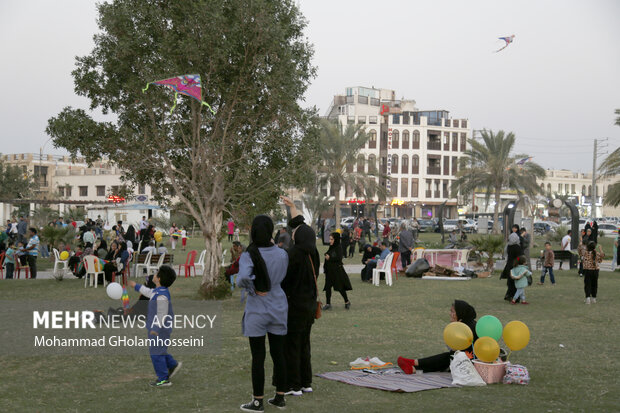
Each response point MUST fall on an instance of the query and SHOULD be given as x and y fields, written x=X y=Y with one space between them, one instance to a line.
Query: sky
x=556 y=87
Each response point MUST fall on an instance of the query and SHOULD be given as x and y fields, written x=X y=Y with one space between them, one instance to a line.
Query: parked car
x=450 y=225
x=542 y=227
x=347 y=221
x=470 y=225
x=608 y=229
x=427 y=225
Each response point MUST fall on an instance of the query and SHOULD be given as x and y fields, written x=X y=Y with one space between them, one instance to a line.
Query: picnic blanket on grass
x=392 y=379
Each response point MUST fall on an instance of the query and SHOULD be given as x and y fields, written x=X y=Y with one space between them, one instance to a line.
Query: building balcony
x=434 y=145
x=429 y=193
x=433 y=170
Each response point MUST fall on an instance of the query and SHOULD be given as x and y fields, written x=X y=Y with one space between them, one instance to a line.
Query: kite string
x=176 y=95
x=146 y=88
x=207 y=105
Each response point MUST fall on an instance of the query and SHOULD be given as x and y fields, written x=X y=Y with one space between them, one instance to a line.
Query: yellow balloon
x=64 y=255
x=486 y=349
x=458 y=336
x=516 y=335
x=157 y=236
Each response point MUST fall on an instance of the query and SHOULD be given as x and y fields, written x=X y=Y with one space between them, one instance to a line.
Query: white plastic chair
x=154 y=268
x=93 y=269
x=386 y=268
x=201 y=261
x=60 y=263
x=145 y=264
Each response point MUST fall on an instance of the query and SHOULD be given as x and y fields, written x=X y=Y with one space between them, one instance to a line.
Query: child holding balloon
x=519 y=273
x=160 y=306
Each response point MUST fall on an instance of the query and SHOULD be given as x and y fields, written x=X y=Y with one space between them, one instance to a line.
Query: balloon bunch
x=458 y=336
x=64 y=256
x=157 y=236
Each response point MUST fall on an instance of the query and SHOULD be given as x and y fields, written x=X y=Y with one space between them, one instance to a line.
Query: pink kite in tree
x=188 y=85
x=508 y=40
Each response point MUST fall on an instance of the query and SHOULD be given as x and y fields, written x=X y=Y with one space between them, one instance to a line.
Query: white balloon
x=115 y=291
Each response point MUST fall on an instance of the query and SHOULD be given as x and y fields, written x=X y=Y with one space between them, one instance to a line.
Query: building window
x=455 y=123
x=362 y=99
x=455 y=141
x=447 y=123
x=361 y=161
x=583 y=190
x=455 y=163
x=405 y=144
x=414 y=187
x=549 y=189
x=446 y=141
x=464 y=124
x=100 y=190
x=350 y=120
x=83 y=191
x=141 y=189
x=372 y=140
x=396 y=119
x=446 y=195
x=384 y=140
x=394 y=187
x=372 y=164
x=395 y=139
x=405 y=164
x=394 y=164
x=415 y=164
x=566 y=188
x=406 y=120
x=463 y=142
x=61 y=190
x=415 y=142
x=572 y=188
x=361 y=120
x=559 y=188
x=404 y=187
x=372 y=120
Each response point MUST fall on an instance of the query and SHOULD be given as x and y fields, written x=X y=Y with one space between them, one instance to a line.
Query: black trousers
x=32 y=263
x=511 y=291
x=438 y=362
x=405 y=259
x=590 y=282
x=328 y=295
x=276 y=349
x=352 y=248
x=298 y=359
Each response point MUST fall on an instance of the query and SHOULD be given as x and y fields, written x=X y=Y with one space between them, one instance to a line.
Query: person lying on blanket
x=460 y=311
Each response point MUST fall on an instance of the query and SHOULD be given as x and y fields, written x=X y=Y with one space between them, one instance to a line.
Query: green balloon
x=489 y=326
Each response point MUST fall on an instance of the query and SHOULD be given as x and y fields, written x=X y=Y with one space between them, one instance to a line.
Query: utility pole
x=595 y=154
x=593 y=200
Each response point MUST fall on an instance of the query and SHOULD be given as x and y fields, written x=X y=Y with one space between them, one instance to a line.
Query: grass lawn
x=407 y=319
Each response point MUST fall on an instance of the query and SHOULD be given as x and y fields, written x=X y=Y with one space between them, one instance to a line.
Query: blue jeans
x=519 y=294
x=162 y=361
x=544 y=272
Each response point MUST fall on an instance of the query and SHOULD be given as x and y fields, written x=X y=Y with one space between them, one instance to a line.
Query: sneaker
x=278 y=402
x=376 y=362
x=163 y=383
x=175 y=369
x=292 y=392
x=593 y=300
x=513 y=302
x=255 y=405
x=588 y=300
x=359 y=363
x=347 y=305
x=327 y=307
x=524 y=302
x=306 y=389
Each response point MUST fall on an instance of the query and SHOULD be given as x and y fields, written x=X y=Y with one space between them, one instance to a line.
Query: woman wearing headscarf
x=513 y=250
x=335 y=275
x=301 y=291
x=262 y=269
x=130 y=235
x=460 y=311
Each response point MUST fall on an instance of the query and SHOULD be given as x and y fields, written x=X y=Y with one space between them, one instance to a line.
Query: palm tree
x=339 y=155
x=611 y=166
x=489 y=164
x=316 y=203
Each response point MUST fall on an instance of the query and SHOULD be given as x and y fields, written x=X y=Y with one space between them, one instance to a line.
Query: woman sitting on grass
x=460 y=311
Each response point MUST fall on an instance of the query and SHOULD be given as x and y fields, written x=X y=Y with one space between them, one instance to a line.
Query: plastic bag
x=418 y=268
x=516 y=374
x=463 y=371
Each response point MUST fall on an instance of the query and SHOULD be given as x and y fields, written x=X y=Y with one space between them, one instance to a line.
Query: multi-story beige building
x=63 y=182
x=417 y=150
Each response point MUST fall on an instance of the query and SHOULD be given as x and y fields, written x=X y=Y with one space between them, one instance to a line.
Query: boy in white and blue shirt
x=159 y=315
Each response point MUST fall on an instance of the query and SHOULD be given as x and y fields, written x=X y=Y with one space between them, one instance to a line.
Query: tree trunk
x=496 y=229
x=211 y=230
x=337 y=208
